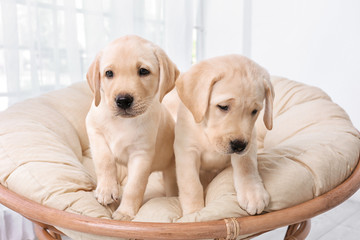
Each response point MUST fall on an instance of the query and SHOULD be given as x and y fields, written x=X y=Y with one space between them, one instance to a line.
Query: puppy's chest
x=213 y=160
x=125 y=141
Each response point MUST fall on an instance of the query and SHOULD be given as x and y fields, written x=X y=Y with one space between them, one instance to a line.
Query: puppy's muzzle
x=124 y=101
x=238 y=146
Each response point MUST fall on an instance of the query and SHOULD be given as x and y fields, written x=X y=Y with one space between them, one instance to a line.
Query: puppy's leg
x=191 y=191
x=169 y=175
x=139 y=169
x=251 y=194
x=107 y=189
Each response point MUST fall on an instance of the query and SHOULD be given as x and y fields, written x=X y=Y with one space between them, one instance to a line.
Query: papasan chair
x=308 y=162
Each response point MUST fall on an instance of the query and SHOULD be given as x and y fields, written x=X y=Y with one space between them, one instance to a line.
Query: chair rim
x=193 y=230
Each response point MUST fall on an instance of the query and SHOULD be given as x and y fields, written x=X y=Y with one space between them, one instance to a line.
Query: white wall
x=311 y=41
x=223 y=27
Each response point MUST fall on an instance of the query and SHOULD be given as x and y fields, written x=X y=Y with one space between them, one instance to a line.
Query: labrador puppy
x=222 y=98
x=127 y=124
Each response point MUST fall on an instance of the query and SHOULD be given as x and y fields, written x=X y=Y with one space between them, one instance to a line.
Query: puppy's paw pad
x=254 y=201
x=107 y=195
x=117 y=215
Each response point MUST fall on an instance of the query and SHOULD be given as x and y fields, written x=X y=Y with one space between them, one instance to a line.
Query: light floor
x=340 y=223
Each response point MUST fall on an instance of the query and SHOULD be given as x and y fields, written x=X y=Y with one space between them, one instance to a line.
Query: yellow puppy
x=222 y=98
x=127 y=124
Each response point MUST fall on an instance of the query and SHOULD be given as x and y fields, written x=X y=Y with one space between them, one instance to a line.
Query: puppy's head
x=225 y=95
x=129 y=74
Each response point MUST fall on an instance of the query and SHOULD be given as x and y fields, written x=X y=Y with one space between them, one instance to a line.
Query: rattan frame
x=297 y=218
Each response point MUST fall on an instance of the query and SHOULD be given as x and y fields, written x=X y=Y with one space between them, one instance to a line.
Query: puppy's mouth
x=230 y=152
x=130 y=112
x=238 y=152
x=125 y=114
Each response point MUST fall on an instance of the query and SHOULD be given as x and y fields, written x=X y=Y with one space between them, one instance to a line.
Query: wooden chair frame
x=296 y=217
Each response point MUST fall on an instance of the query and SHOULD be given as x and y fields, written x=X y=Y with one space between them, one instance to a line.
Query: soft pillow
x=45 y=156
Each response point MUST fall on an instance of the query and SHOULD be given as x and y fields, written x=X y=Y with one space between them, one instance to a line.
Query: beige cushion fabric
x=44 y=155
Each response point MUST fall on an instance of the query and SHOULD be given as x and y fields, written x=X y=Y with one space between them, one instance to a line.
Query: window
x=49 y=44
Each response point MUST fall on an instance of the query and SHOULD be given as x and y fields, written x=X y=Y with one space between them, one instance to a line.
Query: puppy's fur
x=127 y=123
x=222 y=98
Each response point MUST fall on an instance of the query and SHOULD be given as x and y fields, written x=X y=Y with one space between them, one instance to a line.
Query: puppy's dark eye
x=223 y=107
x=109 y=74
x=254 y=112
x=143 y=72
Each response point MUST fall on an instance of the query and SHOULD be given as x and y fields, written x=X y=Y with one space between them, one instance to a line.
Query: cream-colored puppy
x=127 y=124
x=222 y=98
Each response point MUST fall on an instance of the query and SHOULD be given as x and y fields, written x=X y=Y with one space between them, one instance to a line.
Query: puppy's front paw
x=107 y=193
x=191 y=207
x=118 y=215
x=253 y=199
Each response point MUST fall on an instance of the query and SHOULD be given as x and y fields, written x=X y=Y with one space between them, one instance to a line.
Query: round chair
x=297 y=218
x=308 y=162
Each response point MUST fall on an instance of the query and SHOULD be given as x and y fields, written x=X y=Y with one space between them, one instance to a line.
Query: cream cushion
x=45 y=156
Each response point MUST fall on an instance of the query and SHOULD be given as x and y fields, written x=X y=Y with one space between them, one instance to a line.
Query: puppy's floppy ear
x=194 y=88
x=168 y=72
x=269 y=99
x=93 y=78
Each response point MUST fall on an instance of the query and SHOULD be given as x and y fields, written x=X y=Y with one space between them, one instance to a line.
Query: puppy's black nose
x=124 y=101
x=238 y=146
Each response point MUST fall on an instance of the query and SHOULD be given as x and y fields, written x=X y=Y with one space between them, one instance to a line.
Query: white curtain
x=49 y=44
